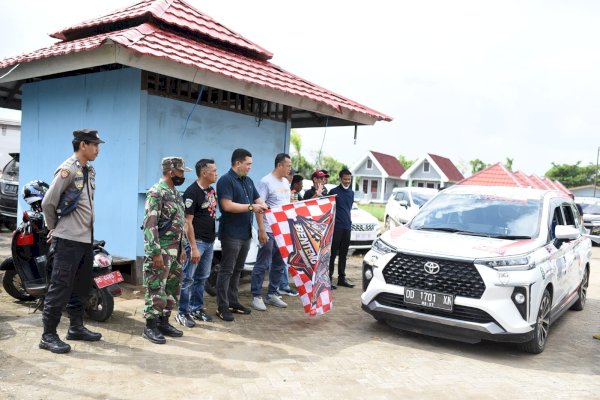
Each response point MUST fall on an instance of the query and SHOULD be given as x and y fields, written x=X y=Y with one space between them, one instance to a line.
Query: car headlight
x=521 y=263
x=381 y=247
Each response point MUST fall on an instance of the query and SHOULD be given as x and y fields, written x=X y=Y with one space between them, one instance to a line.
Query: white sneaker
x=258 y=304
x=276 y=301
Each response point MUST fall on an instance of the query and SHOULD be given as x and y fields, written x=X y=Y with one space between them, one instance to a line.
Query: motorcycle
x=27 y=273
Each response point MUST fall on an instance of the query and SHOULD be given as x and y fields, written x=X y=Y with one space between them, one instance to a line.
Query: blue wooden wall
x=139 y=129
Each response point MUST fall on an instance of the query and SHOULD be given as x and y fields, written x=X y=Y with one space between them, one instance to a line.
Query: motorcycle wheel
x=13 y=286
x=100 y=305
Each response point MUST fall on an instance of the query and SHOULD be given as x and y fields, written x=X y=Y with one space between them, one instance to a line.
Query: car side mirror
x=403 y=203
x=566 y=232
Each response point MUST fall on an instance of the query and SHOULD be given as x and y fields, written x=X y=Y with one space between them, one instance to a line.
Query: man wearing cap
x=318 y=189
x=69 y=211
x=164 y=241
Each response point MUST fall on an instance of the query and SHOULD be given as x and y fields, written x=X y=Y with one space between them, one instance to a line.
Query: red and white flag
x=303 y=232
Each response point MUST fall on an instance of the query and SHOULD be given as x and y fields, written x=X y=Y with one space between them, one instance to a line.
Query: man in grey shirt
x=69 y=211
x=274 y=188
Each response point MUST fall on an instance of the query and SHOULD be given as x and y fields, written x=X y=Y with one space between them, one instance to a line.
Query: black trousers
x=70 y=282
x=339 y=248
x=233 y=258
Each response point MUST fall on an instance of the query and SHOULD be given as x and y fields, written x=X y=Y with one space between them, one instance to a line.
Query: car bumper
x=447 y=328
x=362 y=239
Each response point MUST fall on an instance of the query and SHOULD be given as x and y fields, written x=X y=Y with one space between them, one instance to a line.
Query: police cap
x=87 y=135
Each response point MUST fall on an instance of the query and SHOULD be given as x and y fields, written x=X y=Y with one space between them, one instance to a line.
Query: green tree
x=296 y=142
x=406 y=163
x=572 y=175
x=332 y=166
x=509 y=163
x=477 y=165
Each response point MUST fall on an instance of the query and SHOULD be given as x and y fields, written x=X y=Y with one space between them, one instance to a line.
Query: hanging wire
x=322 y=142
x=193 y=108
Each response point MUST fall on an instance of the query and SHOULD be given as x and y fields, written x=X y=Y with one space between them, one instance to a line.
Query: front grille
x=455 y=277
x=462 y=313
x=363 y=227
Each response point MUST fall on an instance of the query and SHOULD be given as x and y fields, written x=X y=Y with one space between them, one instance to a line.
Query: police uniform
x=164 y=221
x=68 y=207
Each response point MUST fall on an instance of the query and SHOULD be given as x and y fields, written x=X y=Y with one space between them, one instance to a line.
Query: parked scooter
x=27 y=273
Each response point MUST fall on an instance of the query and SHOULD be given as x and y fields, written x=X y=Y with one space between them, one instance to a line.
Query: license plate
x=365 y=236
x=425 y=298
x=108 y=279
x=10 y=189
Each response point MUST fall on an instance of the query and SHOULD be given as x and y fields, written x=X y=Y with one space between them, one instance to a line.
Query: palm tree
x=296 y=141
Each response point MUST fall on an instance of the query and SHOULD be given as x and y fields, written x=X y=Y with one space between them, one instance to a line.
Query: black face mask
x=178 y=180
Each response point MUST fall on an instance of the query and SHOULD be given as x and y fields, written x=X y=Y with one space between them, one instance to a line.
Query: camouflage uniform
x=164 y=221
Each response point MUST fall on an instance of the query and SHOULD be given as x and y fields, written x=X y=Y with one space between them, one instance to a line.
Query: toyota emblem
x=431 y=268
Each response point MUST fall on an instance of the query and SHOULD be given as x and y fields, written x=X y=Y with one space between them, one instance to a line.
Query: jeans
x=234 y=253
x=194 y=276
x=268 y=258
x=339 y=245
x=284 y=283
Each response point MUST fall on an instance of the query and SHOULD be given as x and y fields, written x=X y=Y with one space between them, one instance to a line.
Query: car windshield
x=11 y=169
x=421 y=198
x=481 y=215
x=590 y=208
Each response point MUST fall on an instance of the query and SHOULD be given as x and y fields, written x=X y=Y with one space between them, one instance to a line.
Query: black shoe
x=152 y=333
x=201 y=315
x=80 y=332
x=225 y=315
x=185 y=319
x=239 y=309
x=51 y=341
x=167 y=329
x=345 y=283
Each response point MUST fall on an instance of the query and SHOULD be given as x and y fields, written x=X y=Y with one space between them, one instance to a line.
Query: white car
x=365 y=228
x=404 y=204
x=250 y=258
x=475 y=263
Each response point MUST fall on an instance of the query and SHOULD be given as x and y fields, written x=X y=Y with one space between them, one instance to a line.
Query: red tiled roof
x=172 y=12
x=562 y=187
x=447 y=167
x=148 y=39
x=524 y=179
x=499 y=175
x=540 y=184
x=495 y=175
x=390 y=164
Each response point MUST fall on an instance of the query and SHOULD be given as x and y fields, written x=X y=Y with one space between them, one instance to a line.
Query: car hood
x=362 y=217
x=454 y=245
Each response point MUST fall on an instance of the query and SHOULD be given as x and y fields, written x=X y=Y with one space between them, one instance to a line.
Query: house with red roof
x=432 y=171
x=375 y=176
x=158 y=78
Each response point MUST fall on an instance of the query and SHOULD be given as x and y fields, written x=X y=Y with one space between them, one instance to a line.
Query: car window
x=399 y=196
x=12 y=168
x=590 y=208
x=421 y=198
x=568 y=213
x=481 y=215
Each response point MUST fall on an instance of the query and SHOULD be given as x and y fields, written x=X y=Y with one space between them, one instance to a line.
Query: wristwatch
x=250 y=207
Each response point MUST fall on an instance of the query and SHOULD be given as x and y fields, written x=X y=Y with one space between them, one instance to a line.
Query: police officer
x=69 y=211
x=164 y=222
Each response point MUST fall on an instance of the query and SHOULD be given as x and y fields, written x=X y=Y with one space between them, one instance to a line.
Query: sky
x=461 y=79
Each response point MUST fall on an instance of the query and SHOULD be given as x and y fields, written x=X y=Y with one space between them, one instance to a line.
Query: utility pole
x=596 y=177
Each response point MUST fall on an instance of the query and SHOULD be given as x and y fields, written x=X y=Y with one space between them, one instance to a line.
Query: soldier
x=69 y=211
x=164 y=242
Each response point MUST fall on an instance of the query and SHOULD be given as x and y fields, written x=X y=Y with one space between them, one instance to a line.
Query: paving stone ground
x=283 y=354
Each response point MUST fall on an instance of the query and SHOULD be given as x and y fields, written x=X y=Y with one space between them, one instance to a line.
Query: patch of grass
x=376 y=210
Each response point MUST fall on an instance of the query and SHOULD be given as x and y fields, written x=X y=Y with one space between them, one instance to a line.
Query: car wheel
x=542 y=327
x=582 y=292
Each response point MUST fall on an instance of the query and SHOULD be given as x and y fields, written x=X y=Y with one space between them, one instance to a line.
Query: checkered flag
x=303 y=232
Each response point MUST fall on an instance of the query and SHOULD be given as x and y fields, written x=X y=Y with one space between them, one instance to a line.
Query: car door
x=558 y=257
x=573 y=257
x=402 y=204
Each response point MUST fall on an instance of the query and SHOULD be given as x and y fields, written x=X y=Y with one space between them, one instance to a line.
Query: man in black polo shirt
x=238 y=201
x=318 y=189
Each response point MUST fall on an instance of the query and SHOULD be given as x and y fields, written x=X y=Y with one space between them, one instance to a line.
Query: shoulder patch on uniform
x=64 y=173
x=188 y=203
